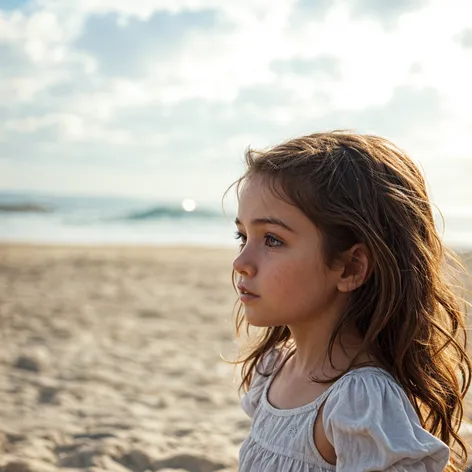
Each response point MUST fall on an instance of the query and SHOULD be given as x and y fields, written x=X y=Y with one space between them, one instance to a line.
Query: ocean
x=53 y=219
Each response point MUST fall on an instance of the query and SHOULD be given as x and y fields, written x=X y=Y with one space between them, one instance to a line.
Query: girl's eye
x=271 y=241
x=241 y=236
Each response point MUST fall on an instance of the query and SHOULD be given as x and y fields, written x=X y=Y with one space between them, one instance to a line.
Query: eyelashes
x=240 y=236
x=270 y=240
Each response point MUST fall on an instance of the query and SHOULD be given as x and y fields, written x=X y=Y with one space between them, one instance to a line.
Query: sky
x=161 y=97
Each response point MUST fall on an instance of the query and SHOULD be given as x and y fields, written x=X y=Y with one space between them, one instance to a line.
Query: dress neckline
x=317 y=401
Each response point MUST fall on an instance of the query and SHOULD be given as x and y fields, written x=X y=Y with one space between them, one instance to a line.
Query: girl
x=361 y=362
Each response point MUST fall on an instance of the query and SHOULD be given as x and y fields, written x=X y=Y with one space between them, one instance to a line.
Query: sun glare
x=188 y=204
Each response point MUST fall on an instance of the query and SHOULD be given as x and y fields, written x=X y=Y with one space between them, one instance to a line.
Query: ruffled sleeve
x=373 y=427
x=250 y=400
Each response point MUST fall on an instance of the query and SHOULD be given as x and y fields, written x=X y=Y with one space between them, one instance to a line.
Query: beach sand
x=110 y=360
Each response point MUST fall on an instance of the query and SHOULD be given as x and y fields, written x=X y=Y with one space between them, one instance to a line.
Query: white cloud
x=183 y=85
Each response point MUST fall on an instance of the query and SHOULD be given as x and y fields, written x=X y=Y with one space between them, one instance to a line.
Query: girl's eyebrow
x=268 y=220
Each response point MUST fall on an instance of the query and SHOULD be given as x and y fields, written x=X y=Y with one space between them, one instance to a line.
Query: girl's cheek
x=285 y=278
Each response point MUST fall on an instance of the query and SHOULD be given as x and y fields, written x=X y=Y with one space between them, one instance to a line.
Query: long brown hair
x=363 y=189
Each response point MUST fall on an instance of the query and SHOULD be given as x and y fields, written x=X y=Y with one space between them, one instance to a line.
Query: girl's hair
x=363 y=189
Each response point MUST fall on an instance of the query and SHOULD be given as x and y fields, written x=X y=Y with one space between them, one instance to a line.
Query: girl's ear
x=356 y=263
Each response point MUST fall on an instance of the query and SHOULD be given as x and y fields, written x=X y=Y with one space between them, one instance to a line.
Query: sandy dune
x=110 y=360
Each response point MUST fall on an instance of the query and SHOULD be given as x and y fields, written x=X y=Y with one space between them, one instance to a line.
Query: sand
x=110 y=360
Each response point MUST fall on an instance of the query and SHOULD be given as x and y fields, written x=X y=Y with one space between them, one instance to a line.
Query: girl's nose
x=243 y=265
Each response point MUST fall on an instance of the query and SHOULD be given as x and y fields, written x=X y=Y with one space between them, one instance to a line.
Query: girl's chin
x=259 y=321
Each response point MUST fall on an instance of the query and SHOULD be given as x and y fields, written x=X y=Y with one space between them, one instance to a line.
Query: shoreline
x=94 y=246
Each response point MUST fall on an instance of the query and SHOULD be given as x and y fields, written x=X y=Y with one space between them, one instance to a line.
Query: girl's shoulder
x=367 y=410
x=367 y=394
x=366 y=376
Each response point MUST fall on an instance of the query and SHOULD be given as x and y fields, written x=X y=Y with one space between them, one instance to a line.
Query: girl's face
x=280 y=262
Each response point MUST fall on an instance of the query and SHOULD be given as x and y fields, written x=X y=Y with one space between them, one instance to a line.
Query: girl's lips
x=243 y=290
x=248 y=297
x=245 y=295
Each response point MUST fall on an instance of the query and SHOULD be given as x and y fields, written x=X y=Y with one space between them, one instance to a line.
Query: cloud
x=465 y=38
x=407 y=117
x=15 y=61
x=181 y=87
x=265 y=115
x=386 y=11
x=409 y=111
x=329 y=66
x=126 y=46
x=315 y=10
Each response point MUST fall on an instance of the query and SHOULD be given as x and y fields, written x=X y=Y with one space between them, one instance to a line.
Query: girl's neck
x=311 y=354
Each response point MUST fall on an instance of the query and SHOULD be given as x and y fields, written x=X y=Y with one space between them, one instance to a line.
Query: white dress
x=367 y=418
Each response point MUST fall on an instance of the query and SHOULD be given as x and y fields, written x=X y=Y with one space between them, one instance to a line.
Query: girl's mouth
x=247 y=297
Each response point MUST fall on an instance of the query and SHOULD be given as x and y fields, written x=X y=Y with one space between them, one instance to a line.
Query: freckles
x=287 y=279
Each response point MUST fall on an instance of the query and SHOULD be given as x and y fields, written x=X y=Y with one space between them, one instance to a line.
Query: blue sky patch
x=9 y=5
